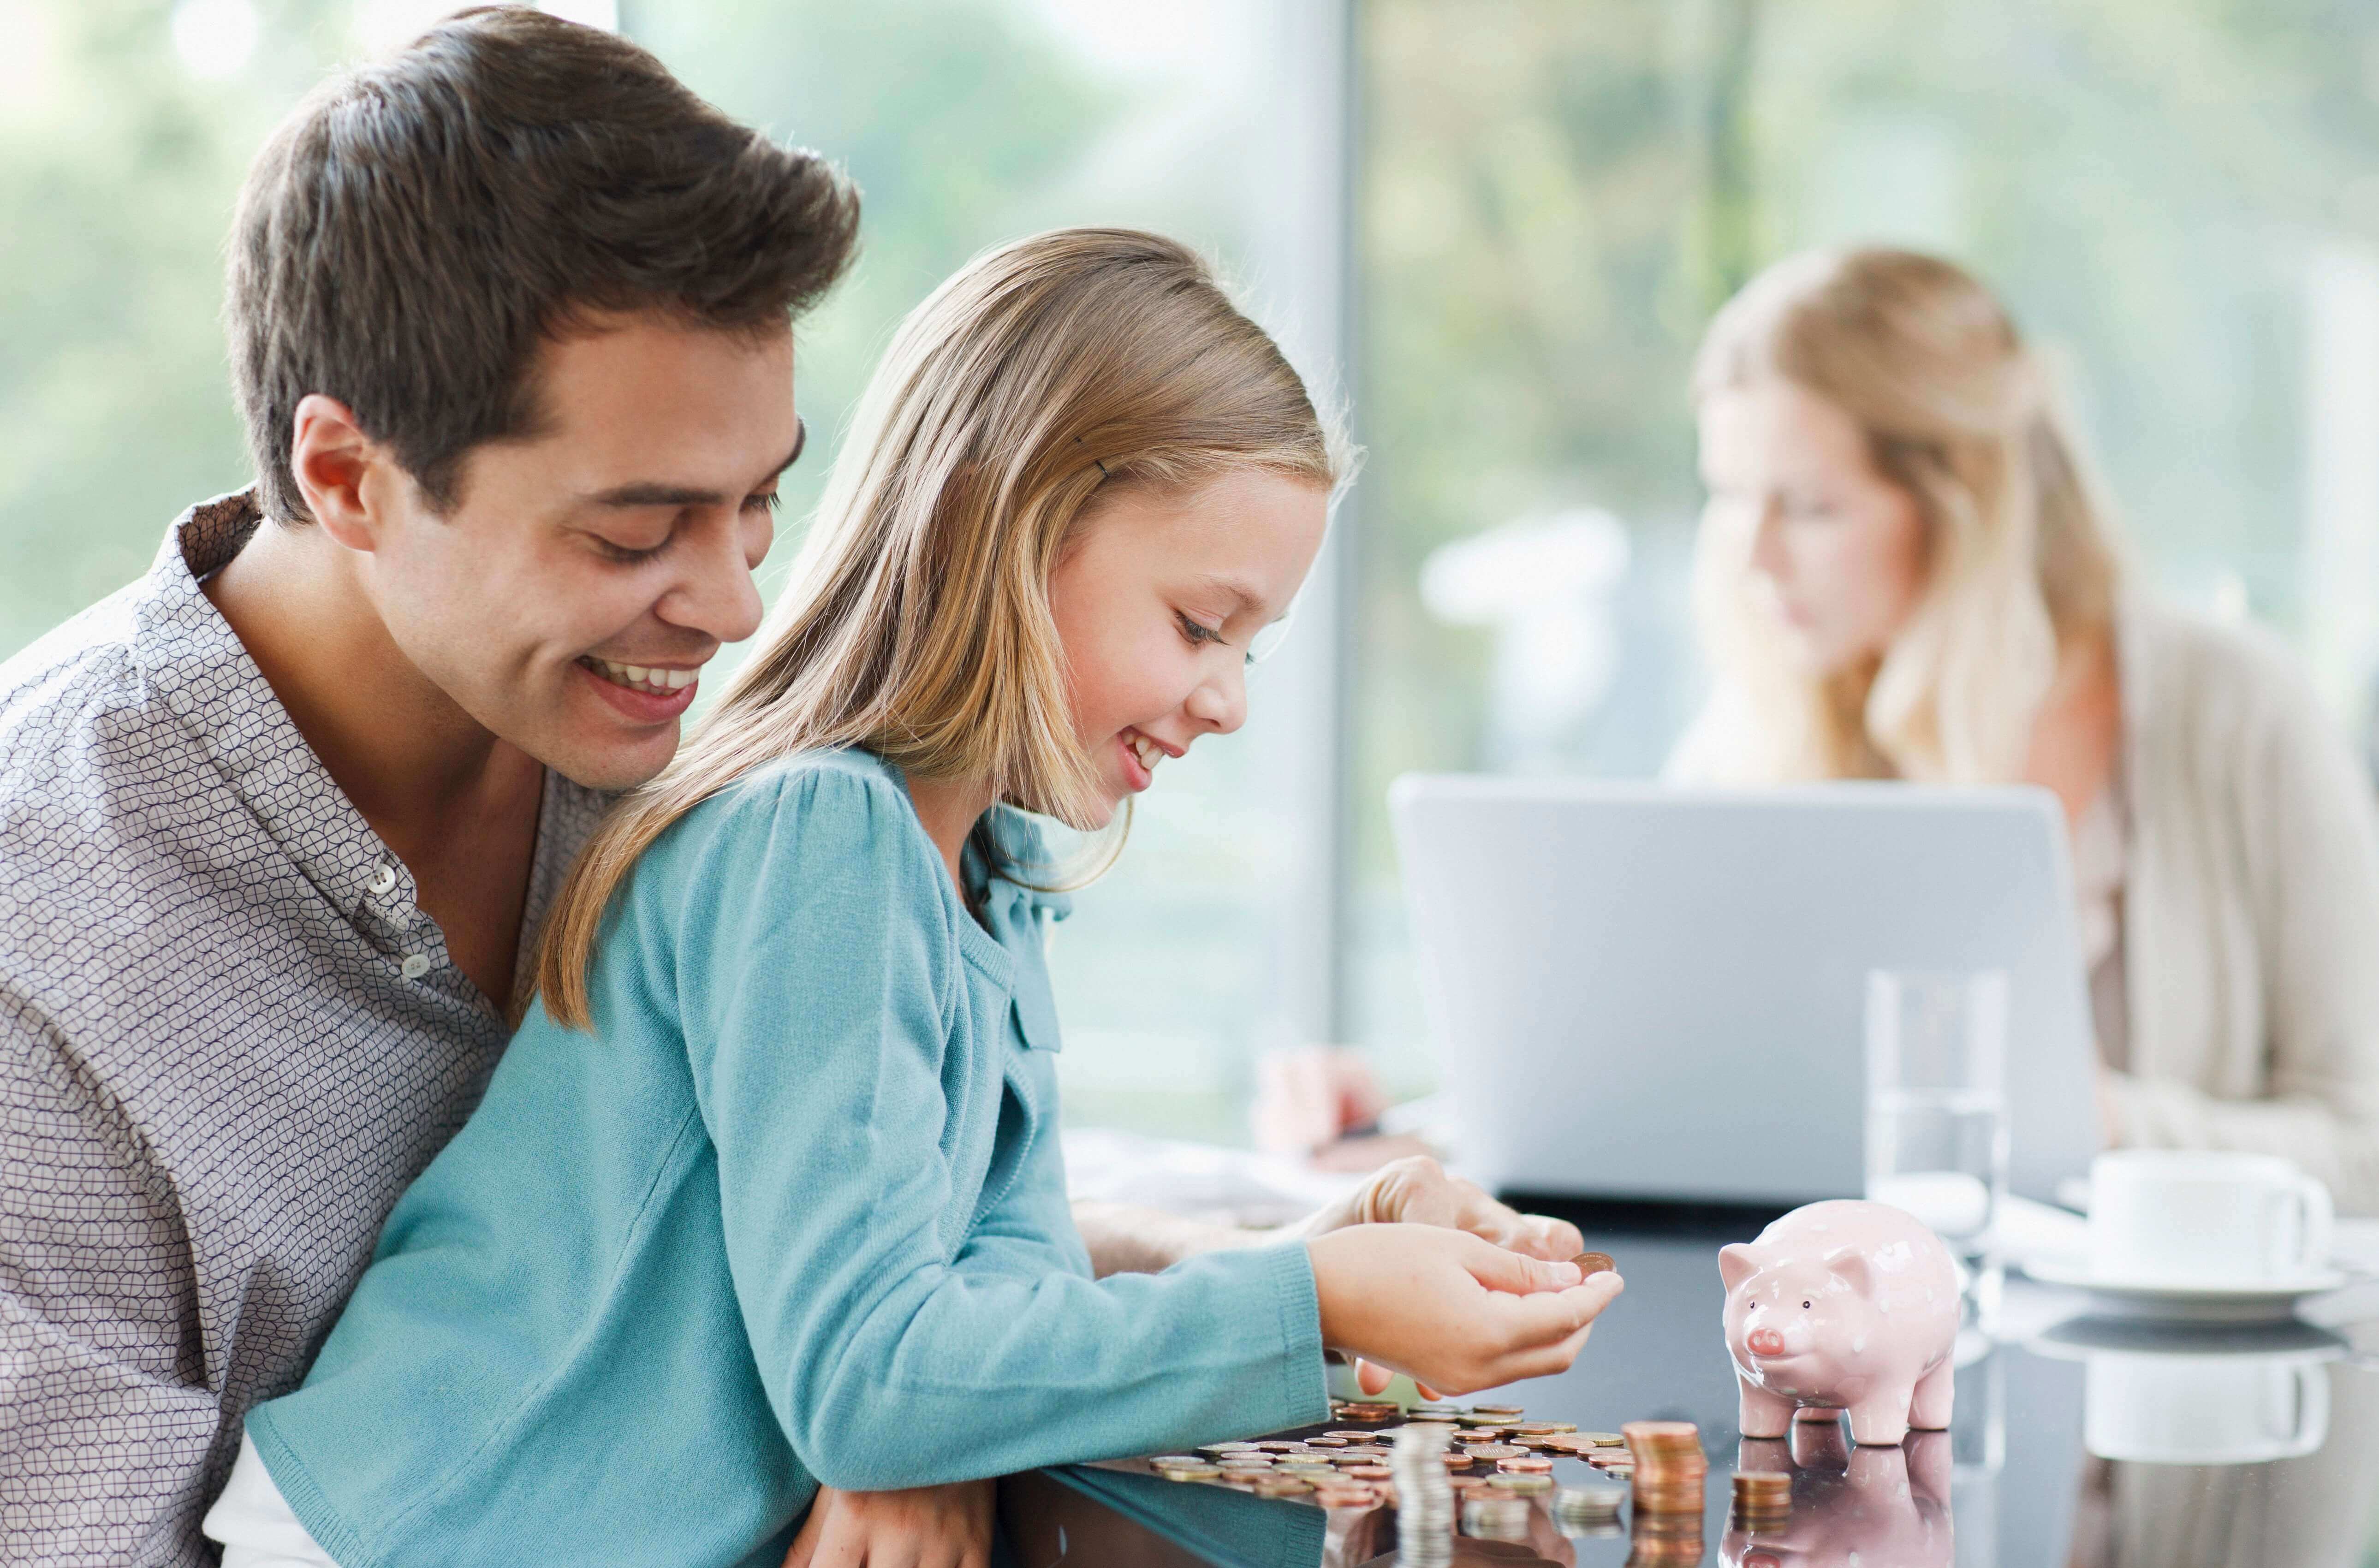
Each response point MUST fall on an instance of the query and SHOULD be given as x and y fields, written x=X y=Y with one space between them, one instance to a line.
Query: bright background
x=1496 y=225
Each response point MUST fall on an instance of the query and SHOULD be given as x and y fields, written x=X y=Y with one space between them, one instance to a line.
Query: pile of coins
x=1424 y=1497
x=1334 y=1469
x=1669 y=1467
x=1763 y=1500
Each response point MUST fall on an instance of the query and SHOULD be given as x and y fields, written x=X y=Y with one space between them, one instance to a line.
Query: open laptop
x=1646 y=992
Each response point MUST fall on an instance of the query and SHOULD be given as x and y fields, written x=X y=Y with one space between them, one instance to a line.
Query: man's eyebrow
x=656 y=492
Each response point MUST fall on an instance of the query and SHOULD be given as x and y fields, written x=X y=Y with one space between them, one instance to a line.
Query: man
x=511 y=328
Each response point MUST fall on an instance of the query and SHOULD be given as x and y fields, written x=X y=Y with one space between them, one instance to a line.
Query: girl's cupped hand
x=1452 y=1310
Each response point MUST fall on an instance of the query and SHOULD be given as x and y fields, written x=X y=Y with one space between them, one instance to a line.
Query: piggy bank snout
x=1765 y=1342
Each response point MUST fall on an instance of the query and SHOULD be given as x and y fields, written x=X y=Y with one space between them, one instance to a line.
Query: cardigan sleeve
x=2305 y=840
x=816 y=989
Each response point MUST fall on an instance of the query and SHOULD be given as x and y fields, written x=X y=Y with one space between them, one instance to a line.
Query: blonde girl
x=1906 y=571
x=766 y=1194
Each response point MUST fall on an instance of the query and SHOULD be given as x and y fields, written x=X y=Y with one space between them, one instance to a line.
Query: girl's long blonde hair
x=1064 y=368
x=2020 y=553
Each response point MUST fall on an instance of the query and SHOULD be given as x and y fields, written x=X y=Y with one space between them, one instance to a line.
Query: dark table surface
x=2014 y=1482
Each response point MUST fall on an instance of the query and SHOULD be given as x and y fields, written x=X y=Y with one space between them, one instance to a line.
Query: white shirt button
x=384 y=879
x=414 y=966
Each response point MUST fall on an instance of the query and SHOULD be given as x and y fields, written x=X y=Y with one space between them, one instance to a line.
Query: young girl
x=766 y=1194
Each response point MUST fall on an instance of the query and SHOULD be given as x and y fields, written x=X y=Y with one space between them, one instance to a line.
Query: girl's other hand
x=1417 y=1190
x=1449 y=1310
x=948 y=1526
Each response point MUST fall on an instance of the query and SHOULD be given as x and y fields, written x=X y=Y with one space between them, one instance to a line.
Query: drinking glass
x=1936 y=1120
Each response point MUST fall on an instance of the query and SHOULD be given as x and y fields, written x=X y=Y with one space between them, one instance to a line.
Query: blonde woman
x=765 y=1193
x=1905 y=571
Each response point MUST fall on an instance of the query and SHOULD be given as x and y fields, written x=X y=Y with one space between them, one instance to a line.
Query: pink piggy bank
x=1843 y=1306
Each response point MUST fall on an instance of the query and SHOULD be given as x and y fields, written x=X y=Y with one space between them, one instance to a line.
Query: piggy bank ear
x=1736 y=1263
x=1850 y=1265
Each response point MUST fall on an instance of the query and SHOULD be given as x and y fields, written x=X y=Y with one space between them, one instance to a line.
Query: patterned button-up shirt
x=228 y=1039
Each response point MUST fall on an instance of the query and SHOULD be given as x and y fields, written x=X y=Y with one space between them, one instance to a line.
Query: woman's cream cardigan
x=2251 y=907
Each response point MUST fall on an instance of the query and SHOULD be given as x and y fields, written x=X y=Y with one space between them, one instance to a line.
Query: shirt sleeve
x=2308 y=840
x=99 y=1396
x=816 y=971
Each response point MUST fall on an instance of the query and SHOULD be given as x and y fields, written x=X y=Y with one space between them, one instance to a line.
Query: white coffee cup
x=2203 y=1409
x=2201 y=1219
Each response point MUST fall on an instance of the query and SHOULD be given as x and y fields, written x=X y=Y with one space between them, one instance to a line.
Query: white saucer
x=2264 y=1301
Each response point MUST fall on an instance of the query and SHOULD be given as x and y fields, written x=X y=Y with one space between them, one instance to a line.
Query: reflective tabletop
x=2079 y=1439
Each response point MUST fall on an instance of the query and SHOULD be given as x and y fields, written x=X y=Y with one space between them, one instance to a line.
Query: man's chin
x=611 y=765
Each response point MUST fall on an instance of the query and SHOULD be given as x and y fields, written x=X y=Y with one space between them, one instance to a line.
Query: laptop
x=1640 y=992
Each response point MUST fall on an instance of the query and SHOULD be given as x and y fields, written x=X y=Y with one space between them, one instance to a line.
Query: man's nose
x=717 y=595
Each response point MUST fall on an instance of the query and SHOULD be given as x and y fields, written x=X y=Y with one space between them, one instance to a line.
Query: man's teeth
x=1149 y=752
x=644 y=677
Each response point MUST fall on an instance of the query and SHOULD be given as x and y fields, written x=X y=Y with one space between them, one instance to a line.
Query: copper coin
x=1594 y=1263
x=1525 y=1466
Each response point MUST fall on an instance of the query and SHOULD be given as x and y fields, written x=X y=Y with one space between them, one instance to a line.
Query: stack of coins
x=1763 y=1498
x=1580 y=1510
x=1424 y=1497
x=1669 y=1467
x=1494 y=1516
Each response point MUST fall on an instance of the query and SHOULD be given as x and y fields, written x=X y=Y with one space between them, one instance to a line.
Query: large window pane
x=2177 y=199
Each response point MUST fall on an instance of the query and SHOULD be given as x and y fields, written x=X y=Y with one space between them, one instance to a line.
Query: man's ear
x=331 y=458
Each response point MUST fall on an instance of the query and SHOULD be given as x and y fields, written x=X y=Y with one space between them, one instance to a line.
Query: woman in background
x=1905 y=571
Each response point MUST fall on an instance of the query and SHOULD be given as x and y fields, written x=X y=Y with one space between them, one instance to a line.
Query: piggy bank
x=1843 y=1306
x=1874 y=1508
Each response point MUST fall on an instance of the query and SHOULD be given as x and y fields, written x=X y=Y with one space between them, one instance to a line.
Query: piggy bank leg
x=1936 y=1391
x=1880 y=1420
x=1765 y=1414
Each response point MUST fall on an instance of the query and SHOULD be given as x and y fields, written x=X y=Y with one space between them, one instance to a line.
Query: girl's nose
x=1765 y=1342
x=1219 y=703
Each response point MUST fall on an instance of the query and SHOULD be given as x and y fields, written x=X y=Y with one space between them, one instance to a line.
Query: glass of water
x=1937 y=1121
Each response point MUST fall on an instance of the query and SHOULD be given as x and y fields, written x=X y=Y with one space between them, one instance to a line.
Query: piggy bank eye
x=1805 y=1305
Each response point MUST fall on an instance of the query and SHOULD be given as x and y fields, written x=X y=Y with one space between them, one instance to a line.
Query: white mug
x=2202 y=1218
x=2203 y=1409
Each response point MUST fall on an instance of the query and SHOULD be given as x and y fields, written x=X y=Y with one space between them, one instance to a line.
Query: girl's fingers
x=1372 y=1379
x=1499 y=1268
x=1550 y=1317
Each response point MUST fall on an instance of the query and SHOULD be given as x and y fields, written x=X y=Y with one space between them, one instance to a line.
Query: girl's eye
x=1198 y=633
x=768 y=503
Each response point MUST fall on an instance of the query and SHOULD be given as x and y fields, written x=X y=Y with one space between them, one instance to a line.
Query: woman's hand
x=946 y=1527
x=1449 y=1310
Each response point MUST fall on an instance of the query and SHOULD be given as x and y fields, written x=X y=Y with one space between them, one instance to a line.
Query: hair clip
x=1094 y=461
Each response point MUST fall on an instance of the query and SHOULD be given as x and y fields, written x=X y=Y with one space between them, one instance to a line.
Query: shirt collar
x=195 y=665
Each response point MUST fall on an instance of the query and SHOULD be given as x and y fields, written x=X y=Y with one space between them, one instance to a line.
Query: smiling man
x=511 y=328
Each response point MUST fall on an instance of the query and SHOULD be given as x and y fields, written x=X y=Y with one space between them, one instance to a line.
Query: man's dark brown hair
x=418 y=226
